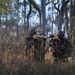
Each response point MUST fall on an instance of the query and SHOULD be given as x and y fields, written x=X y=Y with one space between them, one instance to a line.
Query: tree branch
x=48 y=3
x=28 y=15
x=57 y=8
x=36 y=6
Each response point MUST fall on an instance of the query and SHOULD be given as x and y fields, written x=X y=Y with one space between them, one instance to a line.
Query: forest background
x=17 y=17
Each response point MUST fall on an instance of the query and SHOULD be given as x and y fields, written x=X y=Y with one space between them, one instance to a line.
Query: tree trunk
x=17 y=31
x=0 y=21
x=71 y=25
x=66 y=17
x=6 y=26
x=72 y=14
x=43 y=16
x=28 y=15
x=61 y=11
x=72 y=20
x=24 y=15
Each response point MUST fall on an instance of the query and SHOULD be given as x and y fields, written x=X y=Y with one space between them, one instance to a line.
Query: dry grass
x=14 y=62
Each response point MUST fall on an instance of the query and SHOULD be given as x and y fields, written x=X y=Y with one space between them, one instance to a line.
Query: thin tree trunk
x=17 y=31
x=24 y=15
x=0 y=20
x=28 y=15
x=66 y=18
x=6 y=26
x=71 y=25
x=17 y=26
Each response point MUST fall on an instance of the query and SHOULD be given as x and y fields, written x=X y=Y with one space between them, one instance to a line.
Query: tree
x=43 y=16
x=28 y=15
x=4 y=8
x=37 y=7
x=24 y=15
x=72 y=21
x=61 y=12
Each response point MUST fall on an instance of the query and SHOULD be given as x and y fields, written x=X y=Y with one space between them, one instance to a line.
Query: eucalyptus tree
x=43 y=16
x=32 y=5
x=62 y=11
x=41 y=13
x=28 y=15
x=24 y=12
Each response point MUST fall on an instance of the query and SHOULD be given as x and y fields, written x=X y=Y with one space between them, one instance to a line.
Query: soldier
x=39 y=45
x=29 y=40
x=34 y=37
x=62 y=46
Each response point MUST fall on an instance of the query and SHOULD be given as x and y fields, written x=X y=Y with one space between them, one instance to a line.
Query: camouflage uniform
x=62 y=46
x=29 y=41
x=34 y=37
x=39 y=45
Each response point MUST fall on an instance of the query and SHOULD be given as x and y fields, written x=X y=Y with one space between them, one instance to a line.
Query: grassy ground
x=14 y=62
x=40 y=69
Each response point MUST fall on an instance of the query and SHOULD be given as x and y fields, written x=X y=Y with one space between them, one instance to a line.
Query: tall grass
x=14 y=62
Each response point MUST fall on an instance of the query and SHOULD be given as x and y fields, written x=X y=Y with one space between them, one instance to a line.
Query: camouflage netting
x=39 y=41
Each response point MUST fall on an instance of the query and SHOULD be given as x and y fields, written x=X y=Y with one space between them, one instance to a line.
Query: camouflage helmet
x=60 y=34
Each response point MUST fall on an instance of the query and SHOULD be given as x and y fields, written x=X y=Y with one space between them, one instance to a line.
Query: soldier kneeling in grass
x=61 y=46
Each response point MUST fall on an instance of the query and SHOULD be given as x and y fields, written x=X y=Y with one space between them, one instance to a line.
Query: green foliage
x=71 y=32
x=4 y=5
